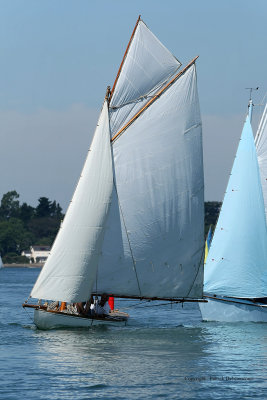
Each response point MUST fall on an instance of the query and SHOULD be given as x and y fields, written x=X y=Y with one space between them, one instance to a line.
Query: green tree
x=212 y=210
x=23 y=225
x=43 y=230
x=59 y=215
x=11 y=258
x=13 y=236
x=26 y=212
x=44 y=207
x=9 y=205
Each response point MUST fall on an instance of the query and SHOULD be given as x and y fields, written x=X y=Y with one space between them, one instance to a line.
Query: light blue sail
x=236 y=265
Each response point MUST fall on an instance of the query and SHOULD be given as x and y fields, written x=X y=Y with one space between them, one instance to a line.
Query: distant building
x=37 y=254
x=27 y=253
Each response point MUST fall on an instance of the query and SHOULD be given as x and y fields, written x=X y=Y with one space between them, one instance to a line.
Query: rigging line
x=135 y=305
x=151 y=305
x=124 y=57
x=154 y=98
x=134 y=263
x=148 y=95
x=199 y=265
x=28 y=315
x=96 y=280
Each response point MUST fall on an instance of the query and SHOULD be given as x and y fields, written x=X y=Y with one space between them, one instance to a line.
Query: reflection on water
x=164 y=352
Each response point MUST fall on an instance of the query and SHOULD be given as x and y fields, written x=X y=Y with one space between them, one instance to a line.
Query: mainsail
x=159 y=184
x=237 y=261
x=135 y=226
x=261 y=146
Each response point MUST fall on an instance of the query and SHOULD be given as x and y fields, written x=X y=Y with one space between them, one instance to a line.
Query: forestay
x=70 y=270
x=237 y=260
x=153 y=245
x=261 y=146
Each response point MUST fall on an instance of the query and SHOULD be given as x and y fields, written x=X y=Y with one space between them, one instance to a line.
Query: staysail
x=70 y=270
x=237 y=261
x=261 y=146
x=154 y=239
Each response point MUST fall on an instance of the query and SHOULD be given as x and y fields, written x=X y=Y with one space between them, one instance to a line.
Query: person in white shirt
x=102 y=307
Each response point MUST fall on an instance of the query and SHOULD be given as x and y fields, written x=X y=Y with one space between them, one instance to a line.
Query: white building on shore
x=37 y=254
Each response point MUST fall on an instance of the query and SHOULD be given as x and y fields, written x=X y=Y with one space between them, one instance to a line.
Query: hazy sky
x=58 y=56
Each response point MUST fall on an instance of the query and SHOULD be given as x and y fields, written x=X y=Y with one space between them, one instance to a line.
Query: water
x=164 y=353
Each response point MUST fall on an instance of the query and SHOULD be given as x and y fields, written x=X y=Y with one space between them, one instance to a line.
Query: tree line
x=212 y=210
x=22 y=225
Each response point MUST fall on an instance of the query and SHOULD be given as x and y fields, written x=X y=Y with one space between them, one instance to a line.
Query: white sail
x=1 y=262
x=237 y=261
x=135 y=226
x=261 y=146
x=70 y=270
x=147 y=65
x=153 y=244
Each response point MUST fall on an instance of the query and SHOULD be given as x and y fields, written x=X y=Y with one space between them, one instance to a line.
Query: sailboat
x=1 y=262
x=135 y=226
x=235 y=274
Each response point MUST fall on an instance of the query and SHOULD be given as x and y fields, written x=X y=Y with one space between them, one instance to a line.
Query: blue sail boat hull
x=227 y=309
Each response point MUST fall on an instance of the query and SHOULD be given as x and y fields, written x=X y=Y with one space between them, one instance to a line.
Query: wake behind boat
x=135 y=225
x=235 y=275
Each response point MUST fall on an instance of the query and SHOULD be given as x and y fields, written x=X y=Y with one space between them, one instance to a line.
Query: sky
x=58 y=56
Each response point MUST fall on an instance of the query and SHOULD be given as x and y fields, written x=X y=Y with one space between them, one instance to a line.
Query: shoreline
x=37 y=265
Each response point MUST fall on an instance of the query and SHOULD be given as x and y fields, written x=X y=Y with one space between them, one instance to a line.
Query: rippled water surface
x=165 y=352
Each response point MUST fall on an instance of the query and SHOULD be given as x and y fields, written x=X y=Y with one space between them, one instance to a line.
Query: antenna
x=250 y=93
x=250 y=103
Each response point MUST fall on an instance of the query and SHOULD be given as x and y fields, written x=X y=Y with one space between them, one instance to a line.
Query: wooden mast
x=125 y=54
x=158 y=94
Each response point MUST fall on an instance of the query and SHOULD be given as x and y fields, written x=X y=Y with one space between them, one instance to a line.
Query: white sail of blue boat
x=135 y=225
x=236 y=266
x=261 y=146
